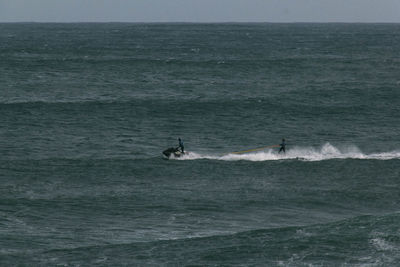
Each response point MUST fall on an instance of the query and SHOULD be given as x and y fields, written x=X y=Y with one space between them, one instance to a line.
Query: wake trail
x=326 y=152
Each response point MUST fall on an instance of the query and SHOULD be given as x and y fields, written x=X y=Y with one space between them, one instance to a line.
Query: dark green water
x=86 y=109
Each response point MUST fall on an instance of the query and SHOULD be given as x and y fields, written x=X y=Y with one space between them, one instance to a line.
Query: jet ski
x=173 y=152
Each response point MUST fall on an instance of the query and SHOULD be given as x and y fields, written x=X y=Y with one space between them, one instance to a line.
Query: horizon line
x=203 y=22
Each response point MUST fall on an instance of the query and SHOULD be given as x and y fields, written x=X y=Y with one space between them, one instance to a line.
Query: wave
x=325 y=152
x=50 y=101
x=363 y=240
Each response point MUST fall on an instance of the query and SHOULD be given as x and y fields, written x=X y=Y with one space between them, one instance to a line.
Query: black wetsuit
x=181 y=146
x=283 y=145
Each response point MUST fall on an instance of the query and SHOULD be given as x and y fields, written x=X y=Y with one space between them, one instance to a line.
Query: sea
x=86 y=110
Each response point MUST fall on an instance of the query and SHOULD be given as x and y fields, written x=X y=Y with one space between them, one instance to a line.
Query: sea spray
x=325 y=152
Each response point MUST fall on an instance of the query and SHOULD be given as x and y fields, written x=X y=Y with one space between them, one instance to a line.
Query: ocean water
x=87 y=109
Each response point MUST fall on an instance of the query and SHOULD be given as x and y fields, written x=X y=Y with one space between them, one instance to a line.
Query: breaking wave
x=326 y=152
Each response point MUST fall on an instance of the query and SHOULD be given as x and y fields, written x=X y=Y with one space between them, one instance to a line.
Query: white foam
x=325 y=152
x=381 y=245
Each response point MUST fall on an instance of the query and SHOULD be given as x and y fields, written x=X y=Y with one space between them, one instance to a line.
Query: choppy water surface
x=86 y=110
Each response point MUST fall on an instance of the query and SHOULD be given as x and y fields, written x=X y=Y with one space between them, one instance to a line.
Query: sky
x=200 y=11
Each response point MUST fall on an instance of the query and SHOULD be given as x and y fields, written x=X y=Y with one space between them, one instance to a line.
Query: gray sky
x=200 y=10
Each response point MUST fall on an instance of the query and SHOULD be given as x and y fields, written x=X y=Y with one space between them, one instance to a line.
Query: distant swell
x=326 y=152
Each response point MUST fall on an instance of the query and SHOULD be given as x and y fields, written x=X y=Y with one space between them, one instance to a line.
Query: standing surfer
x=182 y=148
x=283 y=146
